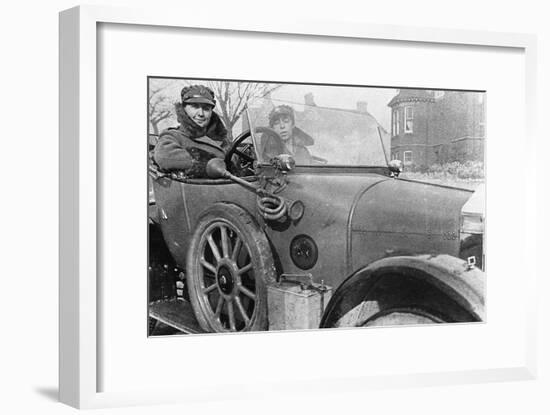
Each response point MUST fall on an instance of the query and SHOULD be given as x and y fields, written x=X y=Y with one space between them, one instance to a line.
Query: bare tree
x=160 y=105
x=233 y=97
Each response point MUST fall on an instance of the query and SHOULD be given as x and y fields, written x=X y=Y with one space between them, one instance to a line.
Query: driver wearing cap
x=199 y=137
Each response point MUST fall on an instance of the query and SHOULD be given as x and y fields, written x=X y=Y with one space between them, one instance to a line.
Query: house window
x=407 y=157
x=439 y=94
x=409 y=115
x=395 y=124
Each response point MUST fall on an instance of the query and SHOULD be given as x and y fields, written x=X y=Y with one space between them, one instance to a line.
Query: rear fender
x=447 y=276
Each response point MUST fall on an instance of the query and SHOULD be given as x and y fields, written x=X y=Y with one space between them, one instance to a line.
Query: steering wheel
x=245 y=151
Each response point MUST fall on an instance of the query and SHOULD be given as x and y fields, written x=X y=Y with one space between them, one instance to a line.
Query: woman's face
x=284 y=125
x=199 y=113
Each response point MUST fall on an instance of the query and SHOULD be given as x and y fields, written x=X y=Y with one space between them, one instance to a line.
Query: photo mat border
x=78 y=195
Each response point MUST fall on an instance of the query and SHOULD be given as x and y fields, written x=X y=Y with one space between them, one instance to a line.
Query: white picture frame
x=79 y=164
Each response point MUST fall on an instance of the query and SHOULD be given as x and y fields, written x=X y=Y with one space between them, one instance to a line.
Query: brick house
x=432 y=127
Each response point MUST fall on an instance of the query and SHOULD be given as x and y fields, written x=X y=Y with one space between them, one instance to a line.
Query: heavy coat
x=189 y=147
x=274 y=145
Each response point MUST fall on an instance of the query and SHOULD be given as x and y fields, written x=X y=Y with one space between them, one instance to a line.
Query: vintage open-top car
x=391 y=250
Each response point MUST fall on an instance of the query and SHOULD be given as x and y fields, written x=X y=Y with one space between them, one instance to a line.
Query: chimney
x=308 y=100
x=362 y=106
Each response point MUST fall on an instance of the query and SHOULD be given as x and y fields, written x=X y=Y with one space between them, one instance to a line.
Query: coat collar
x=215 y=130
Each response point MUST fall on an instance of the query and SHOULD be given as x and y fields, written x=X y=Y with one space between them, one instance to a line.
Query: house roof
x=411 y=95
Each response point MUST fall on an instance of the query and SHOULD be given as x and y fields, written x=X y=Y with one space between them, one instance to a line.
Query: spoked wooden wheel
x=226 y=278
x=228 y=261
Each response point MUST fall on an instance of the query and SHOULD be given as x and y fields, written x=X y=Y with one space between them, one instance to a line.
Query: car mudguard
x=153 y=214
x=453 y=277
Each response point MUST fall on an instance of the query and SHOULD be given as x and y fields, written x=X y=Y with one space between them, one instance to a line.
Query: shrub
x=466 y=170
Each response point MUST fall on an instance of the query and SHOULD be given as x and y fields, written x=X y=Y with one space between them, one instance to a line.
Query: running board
x=175 y=313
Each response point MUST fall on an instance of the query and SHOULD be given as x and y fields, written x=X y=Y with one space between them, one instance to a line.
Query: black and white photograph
x=292 y=206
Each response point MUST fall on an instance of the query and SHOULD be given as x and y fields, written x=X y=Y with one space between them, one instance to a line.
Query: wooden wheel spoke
x=242 y=310
x=247 y=292
x=225 y=241
x=208 y=266
x=236 y=249
x=245 y=269
x=219 y=307
x=210 y=288
x=231 y=313
x=213 y=247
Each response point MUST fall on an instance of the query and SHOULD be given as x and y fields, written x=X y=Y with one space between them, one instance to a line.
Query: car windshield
x=315 y=134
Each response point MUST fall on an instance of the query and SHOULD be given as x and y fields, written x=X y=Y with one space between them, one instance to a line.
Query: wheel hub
x=225 y=279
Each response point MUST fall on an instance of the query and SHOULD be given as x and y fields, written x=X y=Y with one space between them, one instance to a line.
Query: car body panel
x=401 y=217
x=352 y=215
x=171 y=216
x=181 y=204
x=327 y=198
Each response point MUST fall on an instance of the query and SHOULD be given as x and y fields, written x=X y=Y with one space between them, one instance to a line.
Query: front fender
x=451 y=276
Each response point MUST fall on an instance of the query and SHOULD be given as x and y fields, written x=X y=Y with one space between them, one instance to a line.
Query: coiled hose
x=271 y=207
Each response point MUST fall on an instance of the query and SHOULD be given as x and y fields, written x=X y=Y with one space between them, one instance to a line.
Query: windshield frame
x=384 y=163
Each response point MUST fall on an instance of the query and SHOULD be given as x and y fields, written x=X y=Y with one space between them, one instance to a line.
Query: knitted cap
x=197 y=94
x=280 y=111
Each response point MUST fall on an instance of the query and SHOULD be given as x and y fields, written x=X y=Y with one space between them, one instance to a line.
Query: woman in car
x=199 y=137
x=292 y=140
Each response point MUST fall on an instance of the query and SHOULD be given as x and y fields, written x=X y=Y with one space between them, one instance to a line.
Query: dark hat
x=281 y=111
x=197 y=94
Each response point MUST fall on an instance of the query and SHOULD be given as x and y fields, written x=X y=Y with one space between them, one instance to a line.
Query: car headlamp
x=472 y=215
x=472 y=229
x=471 y=223
x=283 y=162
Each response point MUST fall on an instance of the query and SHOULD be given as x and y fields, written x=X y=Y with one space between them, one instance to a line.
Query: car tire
x=229 y=262
x=402 y=317
x=398 y=299
x=152 y=325
x=373 y=313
